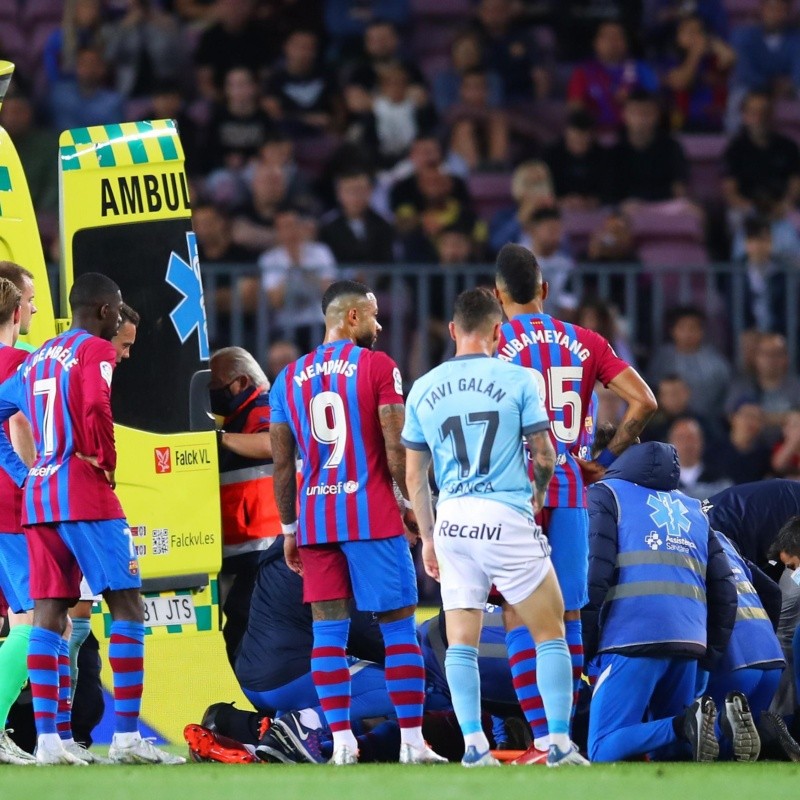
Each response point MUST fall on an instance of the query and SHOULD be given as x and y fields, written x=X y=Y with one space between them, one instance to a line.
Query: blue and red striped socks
x=574 y=637
x=405 y=677
x=64 y=713
x=43 y=671
x=522 y=658
x=126 y=657
x=331 y=676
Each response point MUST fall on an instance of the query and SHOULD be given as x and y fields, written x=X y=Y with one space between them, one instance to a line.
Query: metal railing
x=411 y=295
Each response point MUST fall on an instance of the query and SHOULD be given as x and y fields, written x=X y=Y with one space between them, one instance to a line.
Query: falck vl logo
x=190 y=313
x=163 y=460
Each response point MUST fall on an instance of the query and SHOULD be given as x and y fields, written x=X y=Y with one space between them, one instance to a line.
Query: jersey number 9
x=329 y=425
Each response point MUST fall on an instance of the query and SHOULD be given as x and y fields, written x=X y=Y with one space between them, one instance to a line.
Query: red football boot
x=204 y=745
x=532 y=756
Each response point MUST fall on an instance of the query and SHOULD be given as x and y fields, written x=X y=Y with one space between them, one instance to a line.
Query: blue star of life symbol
x=190 y=313
x=669 y=513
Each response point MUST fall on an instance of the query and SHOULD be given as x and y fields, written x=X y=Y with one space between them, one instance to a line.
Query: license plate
x=159 y=611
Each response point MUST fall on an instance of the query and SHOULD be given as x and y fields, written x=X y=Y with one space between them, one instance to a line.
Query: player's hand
x=590 y=470
x=538 y=500
x=412 y=529
x=110 y=474
x=429 y=560
x=292 y=554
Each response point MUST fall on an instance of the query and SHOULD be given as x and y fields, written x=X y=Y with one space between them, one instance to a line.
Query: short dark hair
x=517 y=268
x=475 y=308
x=787 y=540
x=340 y=289
x=545 y=213
x=91 y=289
x=639 y=95
x=581 y=119
x=681 y=312
x=603 y=435
x=479 y=71
x=15 y=273
x=756 y=226
x=129 y=315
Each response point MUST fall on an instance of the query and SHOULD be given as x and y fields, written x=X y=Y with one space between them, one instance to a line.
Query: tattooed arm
x=630 y=387
x=392 y=417
x=544 y=463
x=284 y=486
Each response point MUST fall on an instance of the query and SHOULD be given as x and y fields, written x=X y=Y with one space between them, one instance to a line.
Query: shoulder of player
x=10 y=361
x=94 y=347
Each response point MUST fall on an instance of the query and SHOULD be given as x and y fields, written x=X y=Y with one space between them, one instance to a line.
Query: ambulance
x=125 y=211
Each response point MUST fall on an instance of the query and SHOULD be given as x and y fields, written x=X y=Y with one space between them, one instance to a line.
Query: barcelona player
x=73 y=521
x=342 y=406
x=566 y=361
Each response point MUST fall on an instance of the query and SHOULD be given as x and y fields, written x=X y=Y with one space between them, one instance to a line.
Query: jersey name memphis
x=546 y=336
x=335 y=367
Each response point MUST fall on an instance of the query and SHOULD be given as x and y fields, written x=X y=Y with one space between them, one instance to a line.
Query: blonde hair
x=10 y=298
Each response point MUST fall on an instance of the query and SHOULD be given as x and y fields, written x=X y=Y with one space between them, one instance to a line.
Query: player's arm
x=248 y=445
x=96 y=384
x=392 y=417
x=21 y=437
x=284 y=485
x=630 y=387
x=418 y=462
x=11 y=403
x=544 y=464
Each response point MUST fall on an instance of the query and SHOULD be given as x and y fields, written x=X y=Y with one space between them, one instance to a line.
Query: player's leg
x=326 y=585
x=463 y=677
x=107 y=558
x=465 y=585
x=542 y=612
x=384 y=581
x=81 y=615
x=54 y=586
x=15 y=587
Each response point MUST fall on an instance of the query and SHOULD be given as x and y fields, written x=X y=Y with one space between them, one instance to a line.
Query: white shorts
x=481 y=542
x=86 y=593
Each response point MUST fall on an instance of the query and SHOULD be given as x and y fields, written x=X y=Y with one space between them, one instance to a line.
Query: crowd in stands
x=323 y=137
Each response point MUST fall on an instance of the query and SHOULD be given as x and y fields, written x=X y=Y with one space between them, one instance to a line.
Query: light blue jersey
x=472 y=413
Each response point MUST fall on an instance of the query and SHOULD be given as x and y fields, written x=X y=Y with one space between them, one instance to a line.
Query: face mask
x=796 y=576
x=224 y=402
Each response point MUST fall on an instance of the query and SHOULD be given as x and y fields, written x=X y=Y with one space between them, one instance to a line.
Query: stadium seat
x=741 y=12
x=787 y=118
x=432 y=38
x=34 y=12
x=655 y=224
x=440 y=8
x=491 y=192
x=14 y=45
x=312 y=154
x=579 y=226
x=704 y=153
x=672 y=255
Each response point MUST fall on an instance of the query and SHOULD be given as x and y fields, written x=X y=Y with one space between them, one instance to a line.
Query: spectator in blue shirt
x=83 y=101
x=768 y=56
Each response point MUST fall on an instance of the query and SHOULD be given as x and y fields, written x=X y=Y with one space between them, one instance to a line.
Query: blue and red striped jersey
x=10 y=493
x=566 y=361
x=330 y=399
x=64 y=388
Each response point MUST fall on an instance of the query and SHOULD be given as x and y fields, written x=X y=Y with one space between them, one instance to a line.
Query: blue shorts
x=369 y=696
x=15 y=572
x=567 y=530
x=101 y=550
x=378 y=573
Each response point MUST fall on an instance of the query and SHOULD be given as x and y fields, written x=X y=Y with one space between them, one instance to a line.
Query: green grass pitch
x=394 y=782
